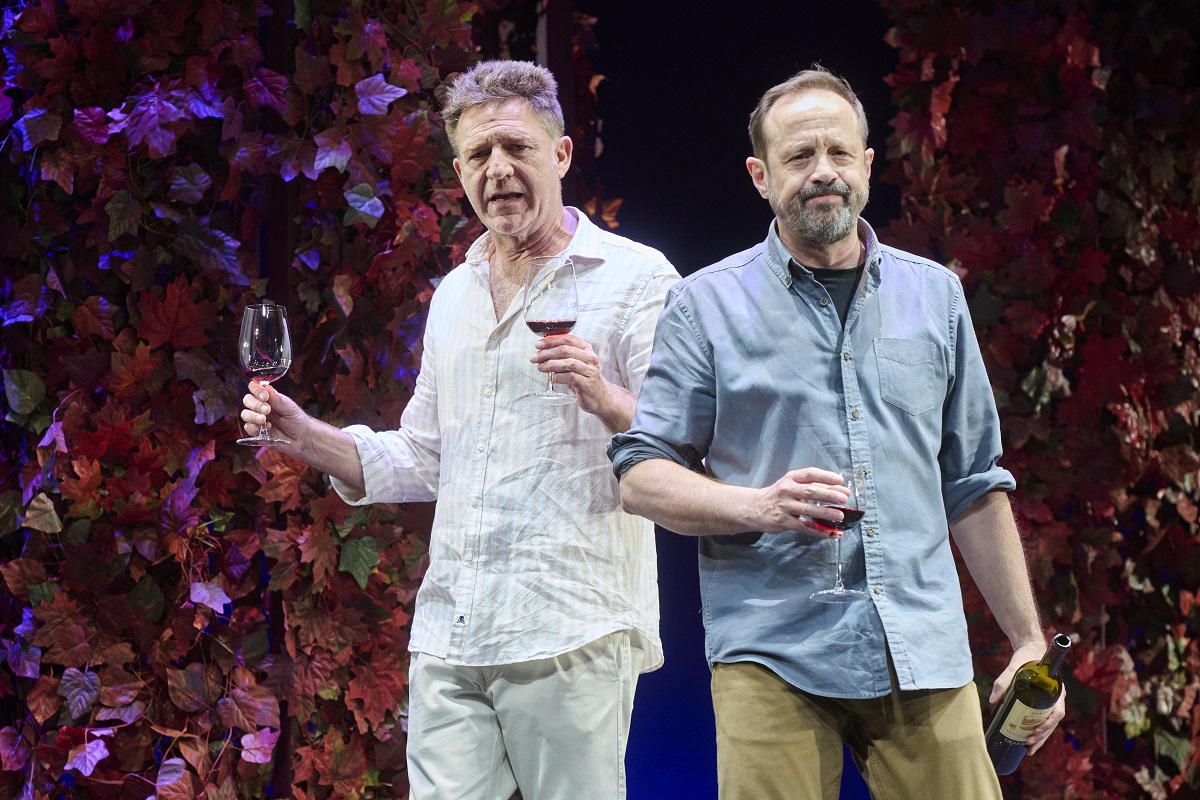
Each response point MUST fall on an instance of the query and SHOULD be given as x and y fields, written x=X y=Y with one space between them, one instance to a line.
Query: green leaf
x=1176 y=748
x=364 y=206
x=124 y=215
x=359 y=557
x=39 y=592
x=147 y=599
x=23 y=389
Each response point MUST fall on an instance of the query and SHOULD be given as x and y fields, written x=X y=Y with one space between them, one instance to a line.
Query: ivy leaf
x=124 y=215
x=91 y=124
x=359 y=558
x=94 y=317
x=312 y=72
x=188 y=184
x=20 y=573
x=150 y=120
x=364 y=206
x=171 y=771
x=210 y=248
x=284 y=483
x=59 y=165
x=318 y=548
x=14 y=750
x=258 y=747
x=41 y=515
x=118 y=687
x=193 y=688
x=266 y=88
x=333 y=150
x=38 y=126
x=1176 y=748
x=209 y=593
x=80 y=690
x=86 y=756
x=44 y=701
x=23 y=390
x=375 y=94
x=146 y=598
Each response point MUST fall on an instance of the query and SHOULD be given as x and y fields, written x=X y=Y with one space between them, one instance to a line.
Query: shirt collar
x=584 y=247
x=782 y=264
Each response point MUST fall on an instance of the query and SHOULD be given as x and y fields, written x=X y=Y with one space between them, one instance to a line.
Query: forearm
x=617 y=413
x=987 y=537
x=684 y=501
x=332 y=451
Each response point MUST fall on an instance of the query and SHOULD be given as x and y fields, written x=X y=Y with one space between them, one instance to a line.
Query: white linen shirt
x=530 y=554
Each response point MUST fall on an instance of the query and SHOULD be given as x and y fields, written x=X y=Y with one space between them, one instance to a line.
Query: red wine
x=850 y=516
x=1029 y=700
x=551 y=327
x=266 y=374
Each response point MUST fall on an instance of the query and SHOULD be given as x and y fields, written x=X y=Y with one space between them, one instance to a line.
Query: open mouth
x=504 y=197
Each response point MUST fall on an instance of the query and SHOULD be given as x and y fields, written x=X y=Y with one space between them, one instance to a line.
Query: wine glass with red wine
x=265 y=350
x=551 y=309
x=852 y=512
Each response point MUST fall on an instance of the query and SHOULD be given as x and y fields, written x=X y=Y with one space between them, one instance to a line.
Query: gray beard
x=822 y=228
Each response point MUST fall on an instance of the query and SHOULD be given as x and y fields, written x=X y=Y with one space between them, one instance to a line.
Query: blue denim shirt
x=752 y=374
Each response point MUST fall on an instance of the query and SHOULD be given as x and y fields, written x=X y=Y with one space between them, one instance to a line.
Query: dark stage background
x=680 y=85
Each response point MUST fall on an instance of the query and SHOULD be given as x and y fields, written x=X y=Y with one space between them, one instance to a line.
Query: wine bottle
x=1030 y=698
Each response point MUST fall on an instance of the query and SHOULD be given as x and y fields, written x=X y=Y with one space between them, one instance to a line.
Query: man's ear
x=758 y=173
x=562 y=154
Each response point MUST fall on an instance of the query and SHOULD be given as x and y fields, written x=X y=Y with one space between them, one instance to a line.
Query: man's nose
x=498 y=166
x=823 y=171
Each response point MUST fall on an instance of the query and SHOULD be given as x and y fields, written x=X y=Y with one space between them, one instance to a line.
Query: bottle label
x=1022 y=720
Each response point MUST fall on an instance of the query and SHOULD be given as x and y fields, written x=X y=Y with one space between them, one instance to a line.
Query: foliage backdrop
x=1048 y=151
x=180 y=615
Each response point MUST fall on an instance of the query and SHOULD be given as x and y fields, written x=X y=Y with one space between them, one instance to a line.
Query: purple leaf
x=375 y=94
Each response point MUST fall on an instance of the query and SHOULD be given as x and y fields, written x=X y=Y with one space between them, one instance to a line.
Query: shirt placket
x=471 y=565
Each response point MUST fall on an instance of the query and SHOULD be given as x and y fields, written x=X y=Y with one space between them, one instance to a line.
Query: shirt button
x=854 y=414
x=474 y=502
x=870 y=531
x=481 y=447
x=824 y=301
x=846 y=356
x=487 y=391
x=878 y=590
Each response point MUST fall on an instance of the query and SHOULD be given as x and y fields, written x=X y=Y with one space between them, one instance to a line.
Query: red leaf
x=130 y=373
x=43 y=700
x=176 y=319
x=266 y=88
x=94 y=317
x=375 y=94
x=14 y=750
x=318 y=548
x=284 y=484
x=79 y=490
x=150 y=120
x=19 y=573
x=193 y=688
x=312 y=72
x=59 y=165
x=118 y=687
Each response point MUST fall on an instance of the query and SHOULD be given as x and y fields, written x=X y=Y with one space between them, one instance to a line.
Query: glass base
x=254 y=441
x=838 y=596
x=551 y=398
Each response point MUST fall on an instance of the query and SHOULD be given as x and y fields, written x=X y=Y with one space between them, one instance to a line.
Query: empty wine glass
x=265 y=351
x=551 y=309
x=852 y=512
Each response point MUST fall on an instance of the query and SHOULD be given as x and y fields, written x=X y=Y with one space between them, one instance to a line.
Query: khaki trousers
x=775 y=742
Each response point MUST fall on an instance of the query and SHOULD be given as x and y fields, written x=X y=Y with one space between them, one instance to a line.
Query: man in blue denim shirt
x=817 y=350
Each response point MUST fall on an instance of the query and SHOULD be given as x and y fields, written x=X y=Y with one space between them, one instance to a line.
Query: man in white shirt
x=539 y=607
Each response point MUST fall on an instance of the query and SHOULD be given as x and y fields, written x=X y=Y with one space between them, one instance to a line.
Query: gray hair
x=490 y=82
x=816 y=78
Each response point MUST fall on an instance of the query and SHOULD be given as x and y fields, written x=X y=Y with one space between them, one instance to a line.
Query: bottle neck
x=1055 y=654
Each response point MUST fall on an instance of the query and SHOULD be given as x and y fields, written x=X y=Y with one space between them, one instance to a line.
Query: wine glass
x=852 y=512
x=551 y=309
x=265 y=350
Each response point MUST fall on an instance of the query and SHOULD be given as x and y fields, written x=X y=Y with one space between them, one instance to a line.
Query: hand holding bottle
x=1033 y=695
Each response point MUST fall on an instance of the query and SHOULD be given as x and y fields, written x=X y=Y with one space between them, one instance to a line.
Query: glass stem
x=838 y=586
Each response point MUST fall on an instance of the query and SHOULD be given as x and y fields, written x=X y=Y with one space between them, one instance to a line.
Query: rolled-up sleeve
x=971 y=445
x=676 y=406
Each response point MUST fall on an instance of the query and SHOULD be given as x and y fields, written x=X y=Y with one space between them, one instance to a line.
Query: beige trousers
x=552 y=728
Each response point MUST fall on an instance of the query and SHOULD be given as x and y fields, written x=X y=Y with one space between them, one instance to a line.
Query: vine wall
x=1048 y=151
x=180 y=616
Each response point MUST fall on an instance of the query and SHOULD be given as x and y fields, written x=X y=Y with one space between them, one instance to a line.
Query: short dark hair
x=497 y=82
x=815 y=78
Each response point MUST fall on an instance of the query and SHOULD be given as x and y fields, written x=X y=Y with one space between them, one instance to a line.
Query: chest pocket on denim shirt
x=910 y=374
